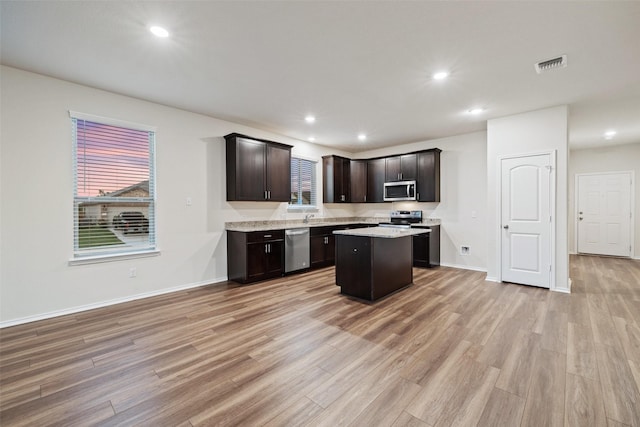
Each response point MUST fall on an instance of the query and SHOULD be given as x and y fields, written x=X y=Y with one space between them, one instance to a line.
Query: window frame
x=107 y=253
x=312 y=207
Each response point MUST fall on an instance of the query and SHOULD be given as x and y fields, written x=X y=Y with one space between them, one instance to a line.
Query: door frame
x=552 y=207
x=631 y=202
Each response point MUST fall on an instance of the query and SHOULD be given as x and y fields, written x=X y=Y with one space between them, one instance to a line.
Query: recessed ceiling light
x=362 y=137
x=440 y=75
x=476 y=111
x=312 y=139
x=159 y=31
x=609 y=134
x=310 y=119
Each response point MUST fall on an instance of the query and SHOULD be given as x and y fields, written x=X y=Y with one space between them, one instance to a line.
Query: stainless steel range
x=402 y=219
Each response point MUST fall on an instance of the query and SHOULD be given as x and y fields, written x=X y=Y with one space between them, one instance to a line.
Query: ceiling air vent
x=551 y=64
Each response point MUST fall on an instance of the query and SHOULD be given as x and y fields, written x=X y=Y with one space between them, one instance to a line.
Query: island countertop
x=384 y=232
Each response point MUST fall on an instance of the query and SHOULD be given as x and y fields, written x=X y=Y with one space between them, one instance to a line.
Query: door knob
x=580 y=218
x=506 y=227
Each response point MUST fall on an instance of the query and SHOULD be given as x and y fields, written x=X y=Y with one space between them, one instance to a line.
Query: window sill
x=113 y=257
x=302 y=208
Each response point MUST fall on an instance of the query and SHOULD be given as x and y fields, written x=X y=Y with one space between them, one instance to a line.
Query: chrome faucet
x=306 y=218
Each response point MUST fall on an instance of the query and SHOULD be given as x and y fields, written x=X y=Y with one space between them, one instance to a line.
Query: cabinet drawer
x=265 y=236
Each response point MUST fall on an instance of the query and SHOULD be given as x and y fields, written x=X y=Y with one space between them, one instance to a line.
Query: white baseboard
x=463 y=267
x=78 y=309
x=491 y=279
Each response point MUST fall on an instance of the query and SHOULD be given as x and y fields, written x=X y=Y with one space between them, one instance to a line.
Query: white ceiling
x=357 y=66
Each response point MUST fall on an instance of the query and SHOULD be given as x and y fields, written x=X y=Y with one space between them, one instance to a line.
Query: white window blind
x=303 y=182
x=114 y=189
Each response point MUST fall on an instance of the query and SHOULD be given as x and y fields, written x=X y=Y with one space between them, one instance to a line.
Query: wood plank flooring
x=452 y=350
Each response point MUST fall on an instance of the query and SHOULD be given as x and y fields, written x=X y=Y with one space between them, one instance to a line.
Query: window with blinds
x=303 y=183
x=114 y=187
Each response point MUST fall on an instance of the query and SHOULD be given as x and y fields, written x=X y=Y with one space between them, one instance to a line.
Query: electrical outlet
x=133 y=272
x=464 y=250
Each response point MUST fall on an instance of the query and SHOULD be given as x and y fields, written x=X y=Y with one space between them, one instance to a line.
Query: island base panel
x=371 y=268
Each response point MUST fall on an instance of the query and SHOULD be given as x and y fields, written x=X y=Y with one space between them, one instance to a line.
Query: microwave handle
x=408 y=190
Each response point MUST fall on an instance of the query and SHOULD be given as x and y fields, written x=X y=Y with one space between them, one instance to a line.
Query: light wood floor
x=451 y=350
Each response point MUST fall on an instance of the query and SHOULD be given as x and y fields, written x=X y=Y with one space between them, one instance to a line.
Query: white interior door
x=526 y=220
x=604 y=214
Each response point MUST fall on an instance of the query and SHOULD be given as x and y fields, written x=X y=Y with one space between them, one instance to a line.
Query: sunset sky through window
x=109 y=158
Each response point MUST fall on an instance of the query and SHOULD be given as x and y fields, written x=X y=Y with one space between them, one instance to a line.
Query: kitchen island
x=372 y=263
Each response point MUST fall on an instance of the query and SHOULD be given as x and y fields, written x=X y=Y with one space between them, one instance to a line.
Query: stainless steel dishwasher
x=296 y=249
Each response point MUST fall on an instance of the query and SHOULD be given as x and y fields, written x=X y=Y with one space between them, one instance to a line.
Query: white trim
x=552 y=207
x=463 y=267
x=303 y=157
x=632 y=205
x=96 y=259
x=111 y=121
x=81 y=308
x=491 y=279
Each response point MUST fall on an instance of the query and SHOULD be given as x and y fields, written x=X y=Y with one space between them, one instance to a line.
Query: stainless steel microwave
x=399 y=190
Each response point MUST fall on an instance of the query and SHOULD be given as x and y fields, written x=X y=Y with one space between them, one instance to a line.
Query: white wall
x=617 y=158
x=532 y=132
x=35 y=172
x=463 y=201
x=36 y=187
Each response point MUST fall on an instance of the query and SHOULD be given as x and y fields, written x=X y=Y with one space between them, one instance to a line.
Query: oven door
x=401 y=190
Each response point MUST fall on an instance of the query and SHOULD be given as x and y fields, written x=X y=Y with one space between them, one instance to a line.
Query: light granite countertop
x=249 y=226
x=384 y=232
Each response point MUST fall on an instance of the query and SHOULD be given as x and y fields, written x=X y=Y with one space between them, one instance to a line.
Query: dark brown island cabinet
x=254 y=256
x=257 y=169
x=373 y=264
x=336 y=179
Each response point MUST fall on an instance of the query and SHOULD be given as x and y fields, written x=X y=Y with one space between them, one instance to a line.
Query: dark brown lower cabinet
x=255 y=256
x=323 y=250
x=322 y=243
x=426 y=248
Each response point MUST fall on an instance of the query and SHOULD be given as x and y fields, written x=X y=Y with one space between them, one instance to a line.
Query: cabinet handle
x=418 y=196
x=269 y=194
x=266 y=248
x=265 y=194
x=365 y=197
x=267 y=235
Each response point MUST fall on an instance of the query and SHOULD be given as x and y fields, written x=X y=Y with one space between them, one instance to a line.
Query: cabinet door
x=408 y=167
x=421 y=250
x=429 y=176
x=392 y=169
x=330 y=248
x=375 y=180
x=250 y=169
x=336 y=179
x=345 y=181
x=256 y=259
x=317 y=248
x=358 y=173
x=274 y=258
x=278 y=173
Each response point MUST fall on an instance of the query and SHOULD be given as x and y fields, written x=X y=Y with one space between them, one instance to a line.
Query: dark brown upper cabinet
x=257 y=169
x=358 y=173
x=428 y=180
x=375 y=180
x=401 y=168
x=336 y=179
